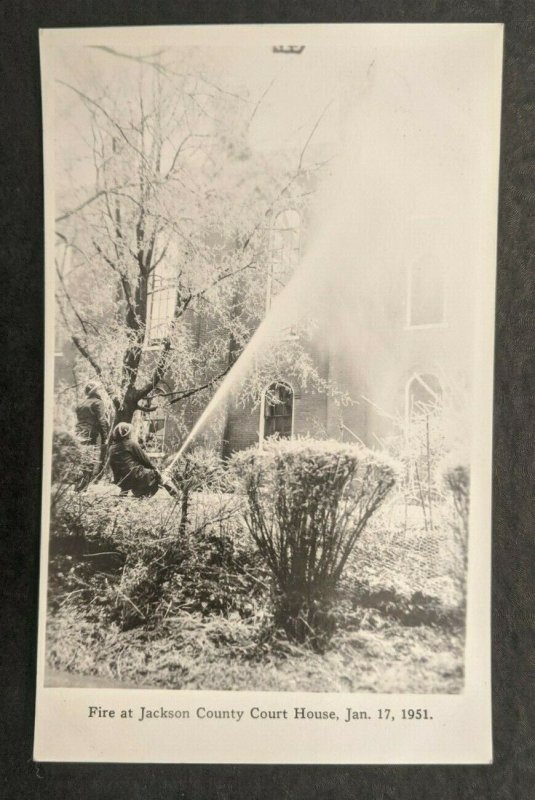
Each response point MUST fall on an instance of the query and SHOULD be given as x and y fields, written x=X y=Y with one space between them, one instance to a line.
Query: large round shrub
x=308 y=502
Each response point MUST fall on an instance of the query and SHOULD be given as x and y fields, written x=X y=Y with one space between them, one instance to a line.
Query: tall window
x=283 y=251
x=161 y=304
x=278 y=411
x=426 y=300
x=151 y=425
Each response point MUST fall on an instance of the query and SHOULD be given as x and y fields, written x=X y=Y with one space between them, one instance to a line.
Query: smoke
x=403 y=183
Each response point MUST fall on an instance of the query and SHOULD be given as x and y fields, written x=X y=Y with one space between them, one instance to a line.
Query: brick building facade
x=397 y=340
x=398 y=337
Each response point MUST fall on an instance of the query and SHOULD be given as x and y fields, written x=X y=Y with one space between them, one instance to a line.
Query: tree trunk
x=233 y=352
x=184 y=510
x=125 y=411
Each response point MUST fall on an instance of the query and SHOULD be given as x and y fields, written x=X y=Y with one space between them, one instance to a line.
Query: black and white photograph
x=270 y=267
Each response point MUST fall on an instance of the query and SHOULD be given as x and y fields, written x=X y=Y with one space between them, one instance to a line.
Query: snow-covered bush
x=123 y=562
x=308 y=503
x=73 y=464
x=197 y=469
x=457 y=480
x=66 y=458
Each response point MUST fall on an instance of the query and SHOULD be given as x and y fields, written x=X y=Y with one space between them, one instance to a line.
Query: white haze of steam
x=409 y=146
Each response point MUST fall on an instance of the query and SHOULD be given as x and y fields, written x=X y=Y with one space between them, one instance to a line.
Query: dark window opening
x=161 y=301
x=278 y=411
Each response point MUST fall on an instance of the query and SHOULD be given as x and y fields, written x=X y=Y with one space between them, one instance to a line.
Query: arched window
x=161 y=304
x=151 y=425
x=283 y=250
x=278 y=411
x=426 y=296
x=424 y=396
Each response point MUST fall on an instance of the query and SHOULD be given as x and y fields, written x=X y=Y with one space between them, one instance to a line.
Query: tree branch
x=259 y=102
x=311 y=134
x=182 y=394
x=83 y=350
x=71 y=303
x=228 y=274
x=105 y=191
x=108 y=116
x=293 y=177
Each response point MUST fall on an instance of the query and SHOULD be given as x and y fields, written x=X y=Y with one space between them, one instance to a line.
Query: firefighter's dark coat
x=92 y=420
x=131 y=468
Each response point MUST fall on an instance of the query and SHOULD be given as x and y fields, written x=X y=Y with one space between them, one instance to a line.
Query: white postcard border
x=460 y=730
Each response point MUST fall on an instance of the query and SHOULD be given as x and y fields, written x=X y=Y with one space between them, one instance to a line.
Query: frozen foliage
x=73 y=464
x=162 y=235
x=196 y=470
x=134 y=598
x=457 y=480
x=308 y=503
x=126 y=562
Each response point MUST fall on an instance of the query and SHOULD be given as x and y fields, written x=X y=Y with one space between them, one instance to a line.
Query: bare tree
x=168 y=231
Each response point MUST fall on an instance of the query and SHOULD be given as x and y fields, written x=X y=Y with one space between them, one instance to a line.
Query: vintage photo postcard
x=270 y=275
